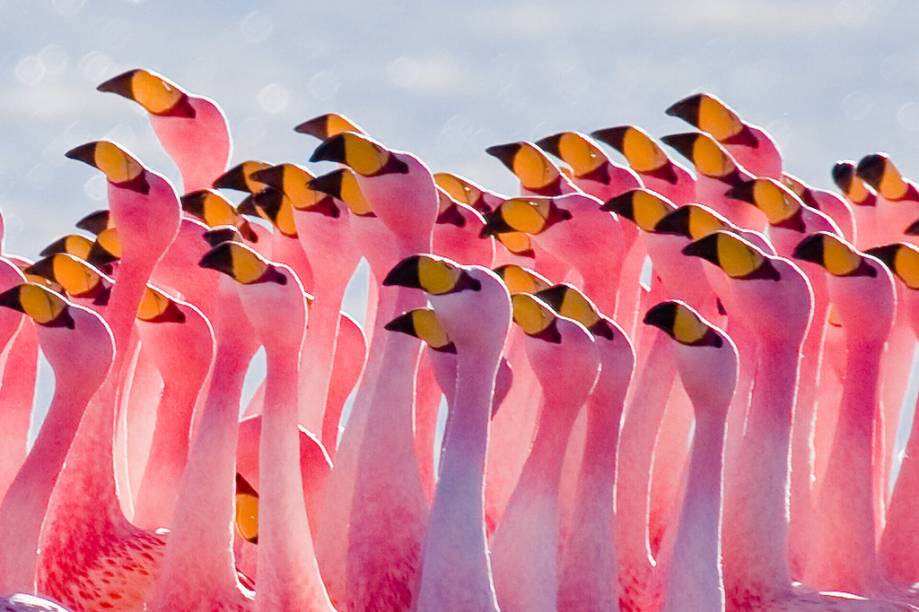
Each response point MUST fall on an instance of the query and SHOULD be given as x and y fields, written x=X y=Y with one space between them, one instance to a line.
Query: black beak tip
x=402 y=274
x=550 y=144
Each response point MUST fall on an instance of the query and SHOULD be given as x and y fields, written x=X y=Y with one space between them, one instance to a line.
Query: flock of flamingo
x=667 y=388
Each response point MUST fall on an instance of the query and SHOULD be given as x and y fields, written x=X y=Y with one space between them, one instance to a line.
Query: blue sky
x=830 y=79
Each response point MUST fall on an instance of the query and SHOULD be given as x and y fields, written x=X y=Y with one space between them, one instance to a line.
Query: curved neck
x=318 y=353
x=756 y=509
x=288 y=574
x=462 y=465
x=637 y=439
x=694 y=568
x=199 y=548
x=26 y=502
x=156 y=496
x=845 y=502
x=17 y=390
x=543 y=468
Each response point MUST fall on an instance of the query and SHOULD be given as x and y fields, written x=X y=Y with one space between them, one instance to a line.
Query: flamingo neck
x=756 y=509
x=604 y=411
x=318 y=353
x=462 y=466
x=168 y=451
x=641 y=423
x=199 y=556
x=122 y=309
x=455 y=547
x=845 y=558
x=18 y=385
x=26 y=502
x=543 y=468
x=694 y=567
x=288 y=575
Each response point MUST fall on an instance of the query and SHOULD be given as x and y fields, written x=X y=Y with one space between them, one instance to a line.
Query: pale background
x=830 y=79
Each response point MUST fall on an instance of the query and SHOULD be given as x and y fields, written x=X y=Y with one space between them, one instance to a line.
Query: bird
x=192 y=129
x=842 y=555
x=455 y=571
x=80 y=349
x=587 y=562
x=524 y=545
x=163 y=324
x=380 y=564
x=750 y=145
x=691 y=558
x=657 y=171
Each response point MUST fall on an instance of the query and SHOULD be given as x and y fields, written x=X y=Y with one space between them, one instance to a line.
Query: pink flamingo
x=524 y=546
x=538 y=176
x=757 y=573
x=789 y=221
x=163 y=324
x=748 y=144
x=273 y=299
x=215 y=210
x=718 y=172
x=18 y=355
x=79 y=346
x=386 y=486
x=322 y=229
x=86 y=532
x=587 y=561
x=596 y=175
x=692 y=555
x=897 y=197
x=513 y=426
x=192 y=129
x=863 y=201
x=897 y=206
x=455 y=570
x=826 y=202
x=658 y=172
x=842 y=555
x=896 y=551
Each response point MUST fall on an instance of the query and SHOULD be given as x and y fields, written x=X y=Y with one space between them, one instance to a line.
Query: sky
x=829 y=79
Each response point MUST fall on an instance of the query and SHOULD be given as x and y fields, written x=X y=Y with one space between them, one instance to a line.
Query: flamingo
x=85 y=531
x=192 y=129
x=750 y=145
x=518 y=248
x=757 y=571
x=658 y=172
x=842 y=555
x=789 y=221
x=272 y=294
x=718 y=172
x=524 y=546
x=383 y=478
x=78 y=344
x=322 y=230
x=587 y=562
x=897 y=555
x=596 y=175
x=692 y=558
x=455 y=570
x=863 y=200
x=215 y=210
x=897 y=206
x=826 y=202
x=163 y=324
